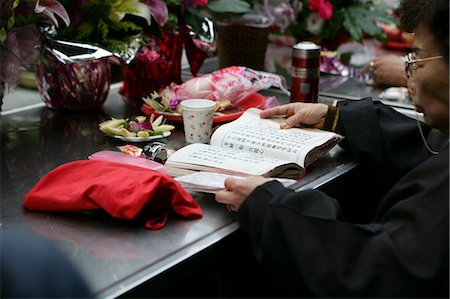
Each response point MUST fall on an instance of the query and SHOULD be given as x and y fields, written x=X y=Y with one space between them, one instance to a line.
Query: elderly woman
x=304 y=241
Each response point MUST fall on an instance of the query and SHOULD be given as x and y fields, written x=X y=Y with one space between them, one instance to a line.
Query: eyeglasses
x=410 y=62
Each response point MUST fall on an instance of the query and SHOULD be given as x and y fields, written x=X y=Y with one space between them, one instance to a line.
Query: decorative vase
x=242 y=45
x=157 y=65
x=73 y=86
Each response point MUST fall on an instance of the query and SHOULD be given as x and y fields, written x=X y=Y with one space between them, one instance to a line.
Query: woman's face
x=431 y=81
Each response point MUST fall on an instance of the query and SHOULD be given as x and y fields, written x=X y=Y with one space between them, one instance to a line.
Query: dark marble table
x=115 y=257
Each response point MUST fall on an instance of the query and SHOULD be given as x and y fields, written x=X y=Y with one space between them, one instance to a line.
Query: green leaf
x=15 y=4
x=352 y=28
x=11 y=22
x=364 y=18
x=173 y=2
x=229 y=6
x=334 y=26
x=84 y=32
x=2 y=35
x=104 y=30
x=172 y=20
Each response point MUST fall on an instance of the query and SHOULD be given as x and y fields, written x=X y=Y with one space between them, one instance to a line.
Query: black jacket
x=308 y=248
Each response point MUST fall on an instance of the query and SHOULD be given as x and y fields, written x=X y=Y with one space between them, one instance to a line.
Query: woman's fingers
x=237 y=190
x=310 y=114
x=292 y=121
x=278 y=110
x=229 y=183
x=224 y=197
x=228 y=195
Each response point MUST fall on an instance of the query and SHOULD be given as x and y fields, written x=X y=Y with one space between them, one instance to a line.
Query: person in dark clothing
x=303 y=241
x=33 y=267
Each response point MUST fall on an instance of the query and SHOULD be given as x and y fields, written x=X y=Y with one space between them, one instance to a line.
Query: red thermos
x=305 y=72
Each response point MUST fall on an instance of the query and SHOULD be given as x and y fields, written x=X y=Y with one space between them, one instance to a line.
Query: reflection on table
x=115 y=256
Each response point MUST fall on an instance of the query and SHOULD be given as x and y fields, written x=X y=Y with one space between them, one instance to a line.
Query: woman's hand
x=308 y=114
x=237 y=190
x=388 y=70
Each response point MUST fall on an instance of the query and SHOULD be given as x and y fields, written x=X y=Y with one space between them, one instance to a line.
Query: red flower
x=202 y=2
x=324 y=8
x=193 y=3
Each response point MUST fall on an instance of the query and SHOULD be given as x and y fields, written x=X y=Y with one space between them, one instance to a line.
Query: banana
x=157 y=122
x=140 y=119
x=114 y=122
x=112 y=130
x=126 y=133
x=163 y=128
x=153 y=103
x=142 y=134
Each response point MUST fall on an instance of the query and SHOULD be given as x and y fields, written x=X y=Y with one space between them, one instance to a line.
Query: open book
x=251 y=146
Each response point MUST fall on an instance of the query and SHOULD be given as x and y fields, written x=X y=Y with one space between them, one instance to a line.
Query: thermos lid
x=306 y=49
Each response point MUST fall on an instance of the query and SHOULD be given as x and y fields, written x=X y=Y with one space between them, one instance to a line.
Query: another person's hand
x=388 y=70
x=308 y=114
x=237 y=190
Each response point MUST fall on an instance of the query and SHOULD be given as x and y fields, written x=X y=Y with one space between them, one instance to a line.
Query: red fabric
x=124 y=191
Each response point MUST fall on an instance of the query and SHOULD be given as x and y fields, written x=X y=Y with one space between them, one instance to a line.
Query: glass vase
x=73 y=86
x=157 y=65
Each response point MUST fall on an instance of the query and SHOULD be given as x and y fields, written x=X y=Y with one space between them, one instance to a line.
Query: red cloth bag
x=122 y=190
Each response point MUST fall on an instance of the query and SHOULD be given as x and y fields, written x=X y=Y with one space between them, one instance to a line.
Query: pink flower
x=283 y=13
x=149 y=55
x=323 y=7
x=158 y=9
x=51 y=7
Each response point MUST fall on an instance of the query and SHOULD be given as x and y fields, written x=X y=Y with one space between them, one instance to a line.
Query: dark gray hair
x=431 y=13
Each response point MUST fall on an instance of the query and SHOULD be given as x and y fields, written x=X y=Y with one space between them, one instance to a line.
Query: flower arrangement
x=20 y=34
x=158 y=63
x=113 y=25
x=116 y=25
x=338 y=20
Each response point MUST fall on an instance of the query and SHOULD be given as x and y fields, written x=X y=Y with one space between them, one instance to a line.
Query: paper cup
x=198 y=119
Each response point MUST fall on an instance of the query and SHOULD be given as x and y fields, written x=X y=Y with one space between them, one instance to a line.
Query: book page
x=212 y=182
x=205 y=157
x=265 y=138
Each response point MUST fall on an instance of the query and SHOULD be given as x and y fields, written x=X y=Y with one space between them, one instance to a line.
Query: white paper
x=211 y=182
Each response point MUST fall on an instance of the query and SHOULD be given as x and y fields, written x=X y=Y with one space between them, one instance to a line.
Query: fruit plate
x=140 y=139
x=254 y=100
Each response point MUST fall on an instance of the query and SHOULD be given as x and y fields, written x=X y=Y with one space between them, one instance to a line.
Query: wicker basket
x=242 y=45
